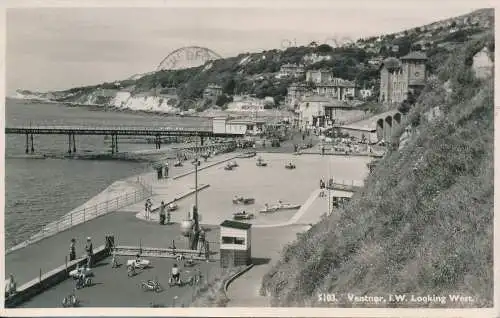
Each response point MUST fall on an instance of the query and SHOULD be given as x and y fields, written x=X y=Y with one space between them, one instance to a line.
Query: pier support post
x=32 y=146
x=116 y=143
x=74 y=143
x=112 y=144
x=27 y=143
x=69 y=143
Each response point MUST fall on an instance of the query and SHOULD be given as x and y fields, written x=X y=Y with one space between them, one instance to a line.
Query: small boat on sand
x=283 y=206
x=243 y=216
x=242 y=200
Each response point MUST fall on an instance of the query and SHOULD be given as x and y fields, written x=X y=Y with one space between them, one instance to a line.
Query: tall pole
x=196 y=183
x=329 y=188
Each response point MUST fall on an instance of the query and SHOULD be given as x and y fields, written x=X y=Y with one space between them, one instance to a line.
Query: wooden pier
x=114 y=132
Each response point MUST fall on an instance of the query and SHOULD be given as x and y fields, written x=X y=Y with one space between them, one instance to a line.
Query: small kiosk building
x=235 y=244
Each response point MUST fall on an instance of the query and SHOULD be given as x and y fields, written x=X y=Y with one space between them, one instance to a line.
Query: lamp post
x=196 y=182
x=329 y=188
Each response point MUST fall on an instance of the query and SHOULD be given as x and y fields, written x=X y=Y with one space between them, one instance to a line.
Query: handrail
x=88 y=213
x=131 y=128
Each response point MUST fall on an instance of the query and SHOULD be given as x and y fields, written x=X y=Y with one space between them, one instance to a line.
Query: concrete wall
x=55 y=276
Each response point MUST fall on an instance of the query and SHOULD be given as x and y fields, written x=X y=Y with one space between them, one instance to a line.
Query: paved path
x=50 y=252
x=267 y=244
x=274 y=182
x=112 y=286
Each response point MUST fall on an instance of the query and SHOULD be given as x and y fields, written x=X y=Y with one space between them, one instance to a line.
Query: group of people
x=164 y=213
x=89 y=251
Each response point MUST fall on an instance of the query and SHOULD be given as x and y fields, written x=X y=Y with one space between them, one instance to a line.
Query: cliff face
x=423 y=224
x=109 y=98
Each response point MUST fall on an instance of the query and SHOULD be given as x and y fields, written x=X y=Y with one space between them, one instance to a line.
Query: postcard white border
x=232 y=311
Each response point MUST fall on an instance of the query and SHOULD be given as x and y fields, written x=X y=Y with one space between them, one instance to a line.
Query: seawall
x=51 y=278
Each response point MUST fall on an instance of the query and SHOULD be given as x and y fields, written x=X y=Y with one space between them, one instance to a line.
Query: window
x=233 y=240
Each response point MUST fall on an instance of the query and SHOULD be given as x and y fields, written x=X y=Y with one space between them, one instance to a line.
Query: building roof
x=415 y=55
x=391 y=63
x=236 y=225
x=338 y=103
x=338 y=82
x=317 y=98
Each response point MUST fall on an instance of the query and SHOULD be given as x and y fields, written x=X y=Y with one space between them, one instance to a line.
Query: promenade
x=25 y=263
x=271 y=232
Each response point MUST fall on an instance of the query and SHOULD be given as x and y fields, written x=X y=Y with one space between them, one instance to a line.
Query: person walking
x=166 y=170
x=72 y=250
x=162 y=213
x=90 y=252
x=148 y=206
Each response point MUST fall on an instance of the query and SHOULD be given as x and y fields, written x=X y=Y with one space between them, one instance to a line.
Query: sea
x=39 y=191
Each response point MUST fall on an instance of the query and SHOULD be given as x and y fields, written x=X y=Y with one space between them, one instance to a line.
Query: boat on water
x=248 y=154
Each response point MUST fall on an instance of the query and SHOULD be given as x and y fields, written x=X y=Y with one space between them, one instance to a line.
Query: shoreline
x=201 y=115
x=116 y=189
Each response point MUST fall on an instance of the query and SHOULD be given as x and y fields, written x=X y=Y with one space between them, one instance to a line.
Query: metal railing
x=89 y=212
x=112 y=127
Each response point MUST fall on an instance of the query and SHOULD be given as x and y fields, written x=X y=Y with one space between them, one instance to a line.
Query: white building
x=319 y=76
x=366 y=93
x=321 y=111
x=295 y=93
x=246 y=104
x=337 y=88
x=235 y=244
x=291 y=70
x=226 y=125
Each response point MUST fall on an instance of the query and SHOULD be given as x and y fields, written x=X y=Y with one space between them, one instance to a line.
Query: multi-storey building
x=212 y=91
x=291 y=70
x=319 y=76
x=398 y=77
x=336 y=88
x=294 y=94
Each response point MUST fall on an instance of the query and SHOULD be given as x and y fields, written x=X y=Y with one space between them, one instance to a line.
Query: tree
x=324 y=48
x=229 y=87
x=223 y=100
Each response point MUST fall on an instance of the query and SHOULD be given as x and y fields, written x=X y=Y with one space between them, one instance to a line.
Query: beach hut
x=235 y=244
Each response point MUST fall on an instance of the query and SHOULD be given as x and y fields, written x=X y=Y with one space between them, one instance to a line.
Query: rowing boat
x=282 y=207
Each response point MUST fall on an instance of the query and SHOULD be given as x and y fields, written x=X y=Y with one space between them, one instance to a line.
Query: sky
x=63 y=47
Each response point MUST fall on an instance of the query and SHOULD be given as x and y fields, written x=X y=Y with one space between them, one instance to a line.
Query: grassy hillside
x=423 y=223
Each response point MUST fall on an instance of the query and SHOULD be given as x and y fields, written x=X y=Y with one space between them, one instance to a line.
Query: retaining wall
x=51 y=278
